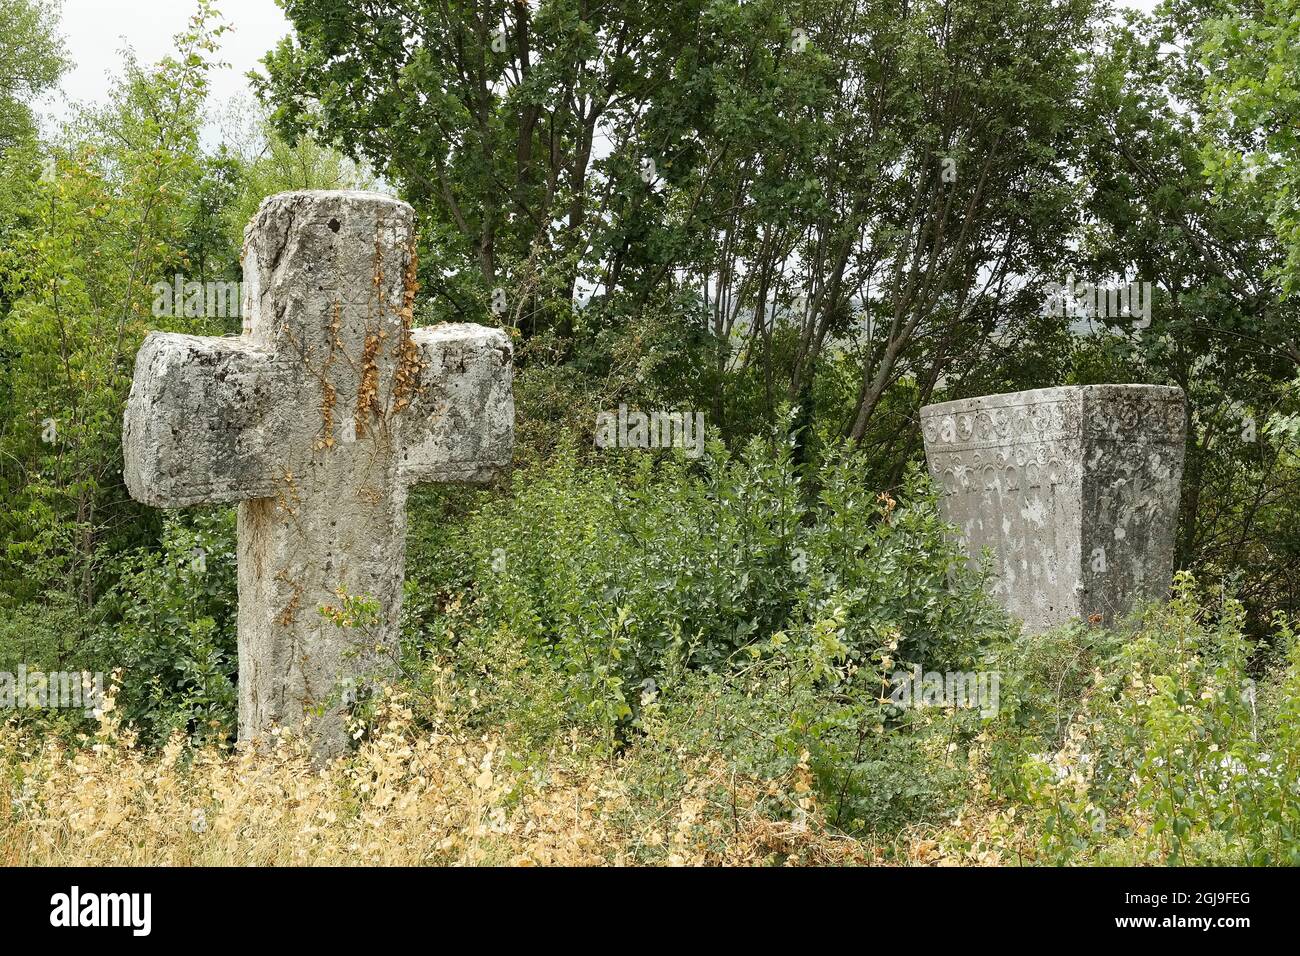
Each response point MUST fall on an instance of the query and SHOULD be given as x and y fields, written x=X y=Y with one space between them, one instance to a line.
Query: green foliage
x=768 y=177
x=87 y=244
x=31 y=60
x=805 y=699
x=613 y=570
x=265 y=163
x=1252 y=94
x=716 y=602
x=167 y=626
x=1220 y=325
x=1173 y=752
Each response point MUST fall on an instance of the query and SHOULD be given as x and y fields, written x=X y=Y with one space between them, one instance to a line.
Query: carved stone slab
x=1074 y=490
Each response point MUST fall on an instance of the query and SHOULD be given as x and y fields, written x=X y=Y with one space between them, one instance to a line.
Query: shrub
x=723 y=586
x=168 y=625
x=1174 y=755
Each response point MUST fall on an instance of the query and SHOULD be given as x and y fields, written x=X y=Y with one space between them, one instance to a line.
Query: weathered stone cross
x=316 y=420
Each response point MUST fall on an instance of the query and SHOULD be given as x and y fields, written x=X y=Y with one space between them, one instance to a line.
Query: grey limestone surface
x=316 y=420
x=1075 y=491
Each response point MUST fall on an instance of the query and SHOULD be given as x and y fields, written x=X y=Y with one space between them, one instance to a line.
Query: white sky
x=96 y=31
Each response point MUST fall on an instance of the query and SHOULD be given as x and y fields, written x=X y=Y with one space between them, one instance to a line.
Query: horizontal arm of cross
x=200 y=420
x=460 y=425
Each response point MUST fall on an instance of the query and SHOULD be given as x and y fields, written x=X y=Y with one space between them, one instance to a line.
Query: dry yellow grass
x=403 y=798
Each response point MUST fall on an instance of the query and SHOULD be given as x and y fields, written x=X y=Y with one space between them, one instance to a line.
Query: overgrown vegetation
x=1150 y=747
x=644 y=657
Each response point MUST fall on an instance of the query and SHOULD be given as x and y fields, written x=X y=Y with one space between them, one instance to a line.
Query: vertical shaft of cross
x=330 y=284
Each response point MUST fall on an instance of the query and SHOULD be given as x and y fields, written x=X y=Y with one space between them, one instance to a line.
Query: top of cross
x=328 y=357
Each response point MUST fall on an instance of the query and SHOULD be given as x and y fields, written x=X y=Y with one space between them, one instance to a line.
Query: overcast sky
x=96 y=31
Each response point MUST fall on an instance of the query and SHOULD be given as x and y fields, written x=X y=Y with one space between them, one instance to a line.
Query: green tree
x=91 y=241
x=1220 y=326
x=265 y=163
x=763 y=179
x=488 y=115
x=1252 y=98
x=31 y=61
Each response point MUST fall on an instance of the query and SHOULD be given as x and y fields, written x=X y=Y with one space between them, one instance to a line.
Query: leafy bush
x=654 y=590
x=168 y=625
x=1173 y=753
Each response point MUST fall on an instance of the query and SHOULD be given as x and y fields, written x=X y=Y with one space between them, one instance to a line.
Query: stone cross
x=1075 y=490
x=316 y=420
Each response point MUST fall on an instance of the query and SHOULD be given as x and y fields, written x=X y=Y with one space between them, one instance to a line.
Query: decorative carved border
x=998 y=426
